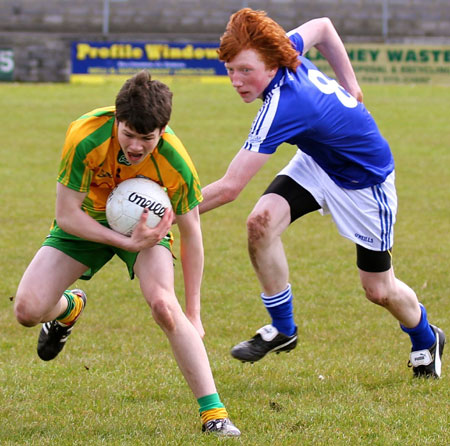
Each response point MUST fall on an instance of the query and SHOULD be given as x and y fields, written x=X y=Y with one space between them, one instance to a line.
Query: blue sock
x=422 y=336
x=280 y=309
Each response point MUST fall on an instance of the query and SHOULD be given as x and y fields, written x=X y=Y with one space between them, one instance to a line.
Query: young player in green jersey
x=102 y=149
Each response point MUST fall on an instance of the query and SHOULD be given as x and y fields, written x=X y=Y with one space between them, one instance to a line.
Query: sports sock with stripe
x=211 y=408
x=280 y=308
x=74 y=307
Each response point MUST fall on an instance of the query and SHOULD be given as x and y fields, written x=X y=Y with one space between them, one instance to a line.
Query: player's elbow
x=327 y=21
x=64 y=221
x=324 y=23
x=325 y=31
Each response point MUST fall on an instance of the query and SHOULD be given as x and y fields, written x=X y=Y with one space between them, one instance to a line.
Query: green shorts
x=93 y=254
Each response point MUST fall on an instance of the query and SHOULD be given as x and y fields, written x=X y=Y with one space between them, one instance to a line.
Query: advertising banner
x=373 y=63
x=126 y=58
x=6 y=64
x=394 y=64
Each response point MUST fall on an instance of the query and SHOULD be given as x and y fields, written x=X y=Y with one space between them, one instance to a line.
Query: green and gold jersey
x=93 y=162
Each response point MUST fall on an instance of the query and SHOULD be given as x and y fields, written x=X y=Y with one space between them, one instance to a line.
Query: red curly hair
x=250 y=29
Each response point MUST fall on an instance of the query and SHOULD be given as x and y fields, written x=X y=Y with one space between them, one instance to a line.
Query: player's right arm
x=241 y=170
x=72 y=219
x=322 y=34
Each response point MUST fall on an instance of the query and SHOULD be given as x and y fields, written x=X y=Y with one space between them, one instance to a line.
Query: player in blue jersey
x=343 y=167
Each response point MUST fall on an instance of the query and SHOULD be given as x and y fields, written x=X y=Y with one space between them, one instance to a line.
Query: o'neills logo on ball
x=153 y=206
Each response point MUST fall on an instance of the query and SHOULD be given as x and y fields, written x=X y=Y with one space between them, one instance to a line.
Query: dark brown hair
x=144 y=104
x=250 y=29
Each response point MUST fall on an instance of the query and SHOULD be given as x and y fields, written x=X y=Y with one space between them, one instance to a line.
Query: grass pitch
x=116 y=382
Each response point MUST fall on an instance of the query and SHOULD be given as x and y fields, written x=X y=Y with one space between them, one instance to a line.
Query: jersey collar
x=275 y=82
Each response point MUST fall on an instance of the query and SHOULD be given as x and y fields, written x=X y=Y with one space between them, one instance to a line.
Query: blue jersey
x=313 y=112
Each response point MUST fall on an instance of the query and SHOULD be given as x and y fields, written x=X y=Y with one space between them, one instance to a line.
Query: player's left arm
x=322 y=34
x=192 y=258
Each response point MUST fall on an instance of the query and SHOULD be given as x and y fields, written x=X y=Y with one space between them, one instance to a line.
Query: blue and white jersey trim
x=263 y=120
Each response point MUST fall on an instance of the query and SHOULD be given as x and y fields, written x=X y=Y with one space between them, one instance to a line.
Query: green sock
x=70 y=305
x=209 y=402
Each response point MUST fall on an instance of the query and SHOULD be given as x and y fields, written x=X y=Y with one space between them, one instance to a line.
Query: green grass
x=116 y=382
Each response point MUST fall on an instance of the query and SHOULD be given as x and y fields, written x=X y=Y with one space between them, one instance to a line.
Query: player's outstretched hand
x=357 y=93
x=359 y=96
x=197 y=323
x=145 y=237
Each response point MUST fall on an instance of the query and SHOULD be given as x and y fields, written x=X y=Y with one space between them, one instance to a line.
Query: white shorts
x=365 y=216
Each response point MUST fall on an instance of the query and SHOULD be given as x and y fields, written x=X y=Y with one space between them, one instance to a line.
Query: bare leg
x=269 y=218
x=154 y=267
x=50 y=273
x=386 y=290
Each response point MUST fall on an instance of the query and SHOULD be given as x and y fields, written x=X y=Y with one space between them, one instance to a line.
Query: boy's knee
x=24 y=312
x=163 y=313
x=258 y=227
x=377 y=294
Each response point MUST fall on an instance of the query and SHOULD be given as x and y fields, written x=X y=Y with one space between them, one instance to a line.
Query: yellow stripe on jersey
x=177 y=173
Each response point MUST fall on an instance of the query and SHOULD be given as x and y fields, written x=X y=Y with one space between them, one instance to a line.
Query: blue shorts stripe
x=386 y=218
x=389 y=219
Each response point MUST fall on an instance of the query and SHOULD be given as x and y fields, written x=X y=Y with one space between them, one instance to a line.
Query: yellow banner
x=394 y=64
